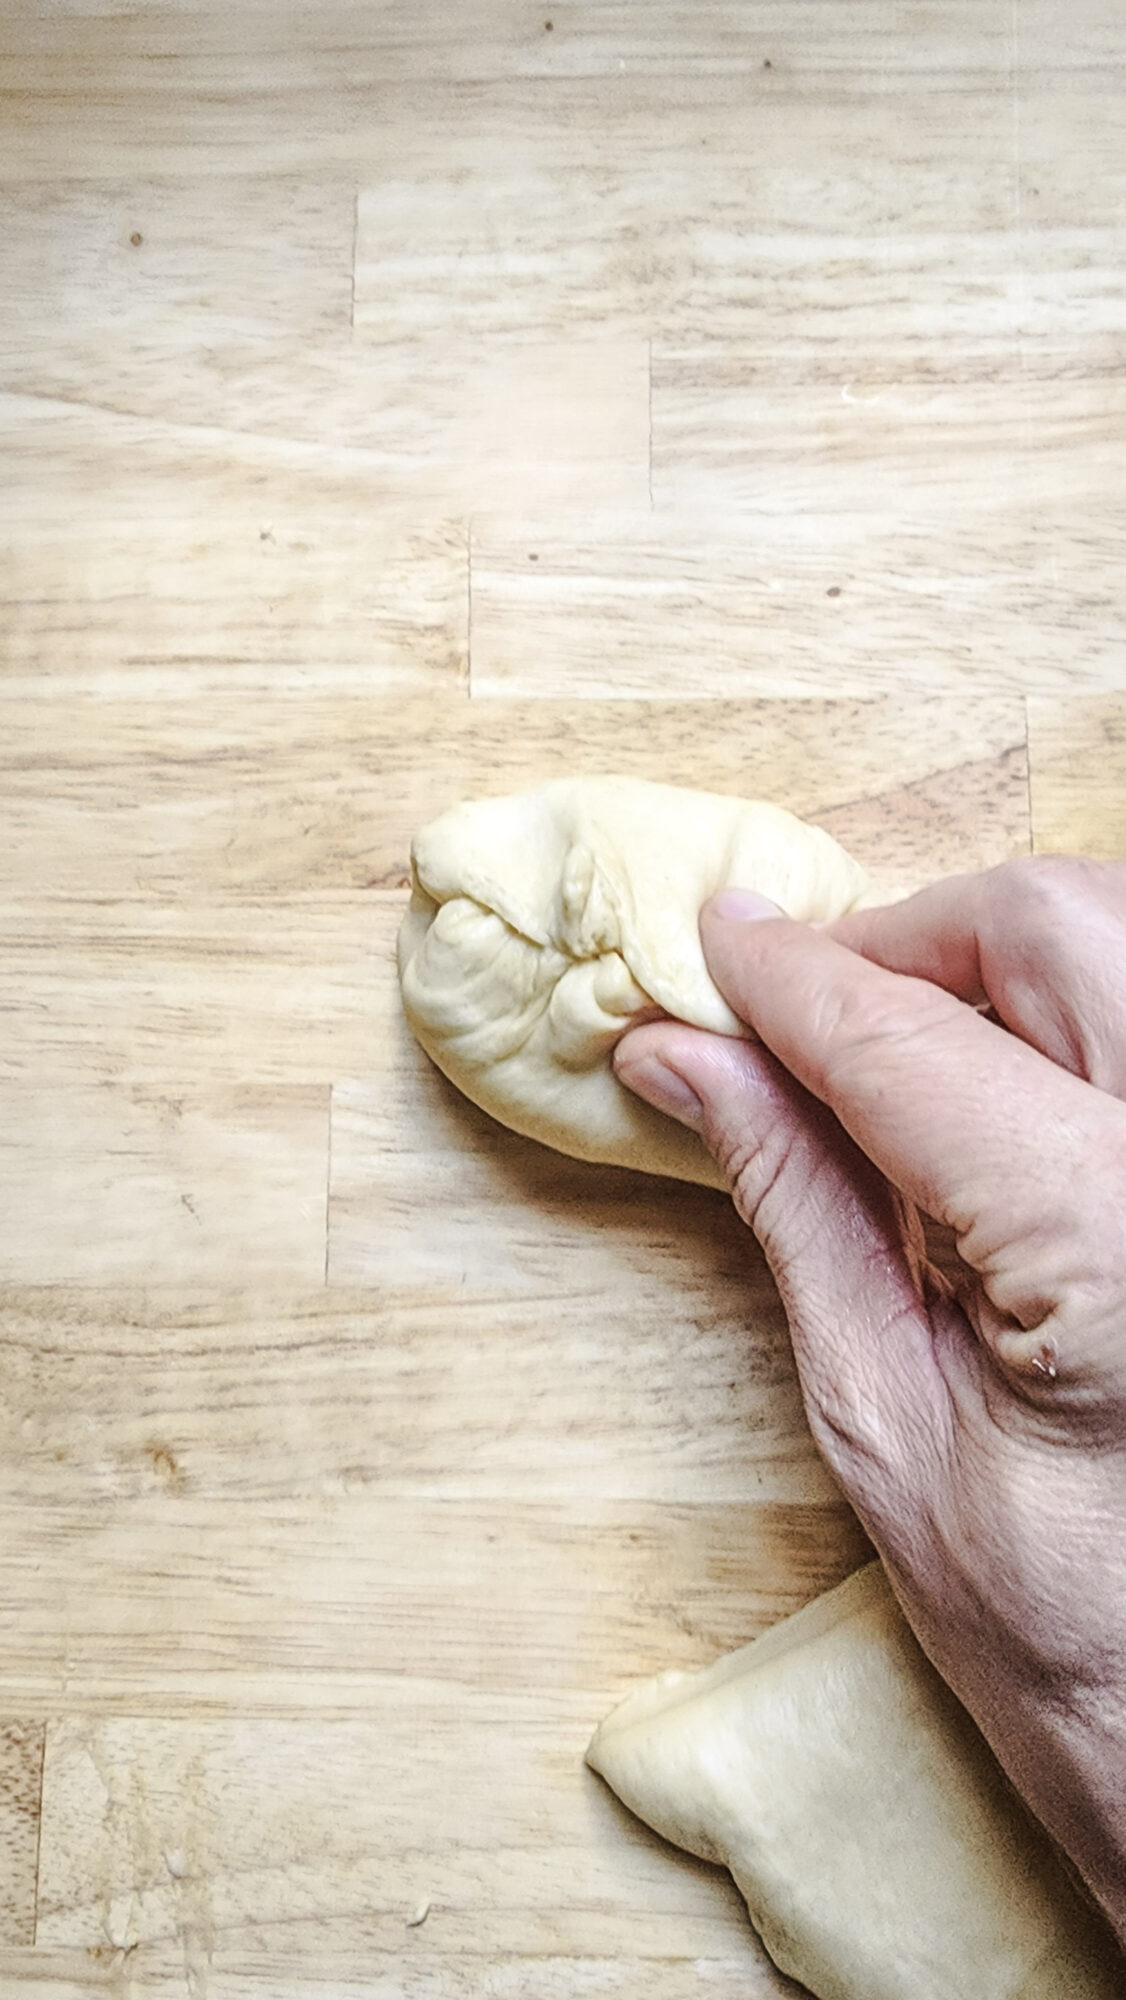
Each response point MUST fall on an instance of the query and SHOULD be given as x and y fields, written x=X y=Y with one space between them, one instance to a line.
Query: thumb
x=844 y=1251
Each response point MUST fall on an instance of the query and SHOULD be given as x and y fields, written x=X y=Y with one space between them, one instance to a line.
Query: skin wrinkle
x=875 y=1429
x=985 y=1589
x=760 y=1170
x=1058 y=1032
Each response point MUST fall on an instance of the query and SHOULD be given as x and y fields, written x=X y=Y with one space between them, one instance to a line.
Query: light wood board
x=396 y=405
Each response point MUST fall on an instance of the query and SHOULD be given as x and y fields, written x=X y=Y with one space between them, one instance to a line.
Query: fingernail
x=741 y=906
x=664 y=1090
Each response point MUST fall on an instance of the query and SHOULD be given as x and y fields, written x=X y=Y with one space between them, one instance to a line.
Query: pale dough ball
x=545 y=924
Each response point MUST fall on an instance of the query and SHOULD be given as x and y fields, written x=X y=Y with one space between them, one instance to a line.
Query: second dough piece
x=865 y=1819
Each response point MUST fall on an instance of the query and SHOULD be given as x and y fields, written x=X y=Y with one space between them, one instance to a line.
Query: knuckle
x=775 y=1175
x=1038 y=888
x=755 y=1163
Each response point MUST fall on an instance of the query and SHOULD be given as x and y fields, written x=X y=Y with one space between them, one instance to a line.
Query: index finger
x=969 y=1123
x=1043 y=939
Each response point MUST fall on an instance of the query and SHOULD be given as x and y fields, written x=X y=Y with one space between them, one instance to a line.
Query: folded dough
x=880 y=1850
x=543 y=925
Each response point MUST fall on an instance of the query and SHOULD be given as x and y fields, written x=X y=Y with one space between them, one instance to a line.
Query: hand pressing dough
x=543 y=925
x=880 y=1851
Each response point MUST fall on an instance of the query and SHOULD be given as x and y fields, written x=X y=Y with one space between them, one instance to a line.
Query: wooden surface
x=396 y=404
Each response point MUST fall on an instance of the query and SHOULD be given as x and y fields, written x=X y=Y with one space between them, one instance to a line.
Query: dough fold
x=866 y=1822
x=543 y=925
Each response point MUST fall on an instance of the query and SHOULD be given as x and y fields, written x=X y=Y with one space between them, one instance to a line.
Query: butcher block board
x=359 y=1455
x=395 y=406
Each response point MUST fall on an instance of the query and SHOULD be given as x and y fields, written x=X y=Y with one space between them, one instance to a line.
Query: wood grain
x=364 y=1972
x=200 y=1819
x=255 y=796
x=159 y=1607
x=503 y=37
x=1078 y=764
x=729 y=435
x=21 y=1786
x=256 y=1397
x=397 y=405
x=172 y=95
x=211 y=596
x=115 y=1181
x=417 y=1491
x=533 y=249
x=157 y=425
x=290 y=994
x=796 y=603
x=264 y=255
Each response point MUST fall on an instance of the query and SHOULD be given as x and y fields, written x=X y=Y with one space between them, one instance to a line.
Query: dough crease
x=545 y=924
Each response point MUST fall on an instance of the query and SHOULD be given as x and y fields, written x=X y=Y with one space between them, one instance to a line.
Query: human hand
x=979 y=1427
